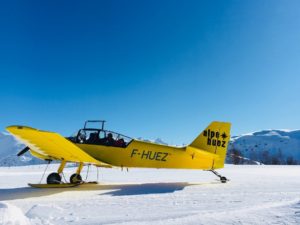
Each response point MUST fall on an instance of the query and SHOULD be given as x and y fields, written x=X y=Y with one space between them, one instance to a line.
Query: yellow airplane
x=104 y=148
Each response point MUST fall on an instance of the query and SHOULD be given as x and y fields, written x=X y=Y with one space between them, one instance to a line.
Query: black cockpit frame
x=118 y=140
x=95 y=121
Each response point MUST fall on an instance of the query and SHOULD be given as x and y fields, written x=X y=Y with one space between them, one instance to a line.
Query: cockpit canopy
x=100 y=136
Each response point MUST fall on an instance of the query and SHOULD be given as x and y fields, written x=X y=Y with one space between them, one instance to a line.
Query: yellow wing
x=50 y=145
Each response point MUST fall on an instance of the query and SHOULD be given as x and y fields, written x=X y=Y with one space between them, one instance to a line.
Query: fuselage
x=148 y=155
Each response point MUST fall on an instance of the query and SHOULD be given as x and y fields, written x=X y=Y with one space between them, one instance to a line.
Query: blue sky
x=151 y=68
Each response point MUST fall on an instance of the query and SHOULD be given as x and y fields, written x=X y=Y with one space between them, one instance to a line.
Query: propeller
x=23 y=151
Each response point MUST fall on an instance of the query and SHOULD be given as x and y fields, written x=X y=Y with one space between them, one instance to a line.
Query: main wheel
x=75 y=179
x=53 y=178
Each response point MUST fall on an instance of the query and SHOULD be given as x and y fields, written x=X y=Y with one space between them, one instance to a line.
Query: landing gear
x=75 y=178
x=54 y=178
x=222 y=179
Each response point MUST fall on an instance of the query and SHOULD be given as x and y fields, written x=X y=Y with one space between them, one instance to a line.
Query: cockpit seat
x=93 y=139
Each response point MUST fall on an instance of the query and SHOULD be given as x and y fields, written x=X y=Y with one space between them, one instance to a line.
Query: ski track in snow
x=254 y=195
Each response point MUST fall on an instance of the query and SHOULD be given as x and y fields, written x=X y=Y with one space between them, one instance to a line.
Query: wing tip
x=18 y=127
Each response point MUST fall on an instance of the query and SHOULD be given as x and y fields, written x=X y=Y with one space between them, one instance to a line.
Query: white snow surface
x=255 y=194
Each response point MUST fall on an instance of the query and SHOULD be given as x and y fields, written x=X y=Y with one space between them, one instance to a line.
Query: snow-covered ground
x=255 y=195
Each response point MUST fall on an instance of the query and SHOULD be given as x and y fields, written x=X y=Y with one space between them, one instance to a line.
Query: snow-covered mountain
x=9 y=147
x=156 y=141
x=267 y=147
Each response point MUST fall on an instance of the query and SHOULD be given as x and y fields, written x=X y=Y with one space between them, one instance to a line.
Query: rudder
x=214 y=139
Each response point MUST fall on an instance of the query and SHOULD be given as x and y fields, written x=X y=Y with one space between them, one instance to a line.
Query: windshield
x=102 y=137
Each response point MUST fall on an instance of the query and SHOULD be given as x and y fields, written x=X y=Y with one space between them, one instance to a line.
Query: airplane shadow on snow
x=113 y=190
x=149 y=188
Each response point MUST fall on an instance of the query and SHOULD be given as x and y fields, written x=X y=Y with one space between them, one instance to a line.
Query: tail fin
x=214 y=139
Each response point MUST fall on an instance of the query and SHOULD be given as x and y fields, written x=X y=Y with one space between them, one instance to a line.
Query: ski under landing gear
x=62 y=185
x=222 y=178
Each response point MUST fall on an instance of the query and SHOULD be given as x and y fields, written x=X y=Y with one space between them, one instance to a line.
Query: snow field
x=254 y=195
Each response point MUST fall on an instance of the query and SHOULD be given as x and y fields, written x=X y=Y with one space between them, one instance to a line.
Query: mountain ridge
x=272 y=146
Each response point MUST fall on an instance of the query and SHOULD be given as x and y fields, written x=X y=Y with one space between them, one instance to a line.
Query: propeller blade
x=23 y=151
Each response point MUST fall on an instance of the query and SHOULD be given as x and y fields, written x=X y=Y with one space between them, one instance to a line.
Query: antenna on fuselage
x=95 y=121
